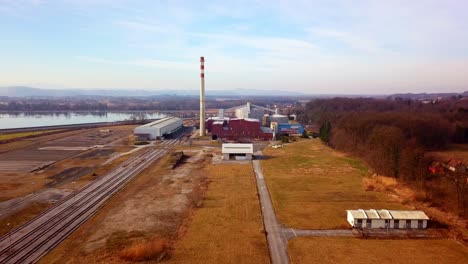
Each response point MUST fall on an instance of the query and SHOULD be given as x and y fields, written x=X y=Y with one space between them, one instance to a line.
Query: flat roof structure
x=162 y=122
x=158 y=129
x=388 y=214
x=237 y=148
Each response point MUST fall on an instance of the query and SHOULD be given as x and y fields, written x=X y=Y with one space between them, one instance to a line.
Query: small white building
x=158 y=129
x=237 y=150
x=394 y=219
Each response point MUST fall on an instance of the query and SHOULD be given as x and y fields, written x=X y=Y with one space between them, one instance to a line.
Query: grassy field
x=25 y=134
x=228 y=226
x=308 y=177
x=352 y=250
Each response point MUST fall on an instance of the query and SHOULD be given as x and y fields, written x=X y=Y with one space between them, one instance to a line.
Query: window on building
x=420 y=224
x=368 y=223
x=359 y=223
x=408 y=223
x=396 y=224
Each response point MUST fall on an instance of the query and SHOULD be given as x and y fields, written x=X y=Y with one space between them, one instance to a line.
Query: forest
x=395 y=136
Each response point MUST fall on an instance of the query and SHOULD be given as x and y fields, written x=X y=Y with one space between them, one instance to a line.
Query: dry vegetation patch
x=307 y=177
x=131 y=226
x=228 y=226
x=14 y=220
x=353 y=250
x=154 y=249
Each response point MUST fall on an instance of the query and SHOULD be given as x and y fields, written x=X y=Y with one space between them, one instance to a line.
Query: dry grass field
x=228 y=226
x=312 y=185
x=26 y=134
x=352 y=250
x=12 y=221
x=141 y=222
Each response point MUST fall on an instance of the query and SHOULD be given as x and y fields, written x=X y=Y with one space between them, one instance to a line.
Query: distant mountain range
x=24 y=91
x=427 y=96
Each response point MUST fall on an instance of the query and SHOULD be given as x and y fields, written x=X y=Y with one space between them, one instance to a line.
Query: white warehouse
x=237 y=150
x=158 y=129
x=393 y=219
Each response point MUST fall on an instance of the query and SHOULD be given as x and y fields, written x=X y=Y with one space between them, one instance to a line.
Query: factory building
x=237 y=151
x=267 y=119
x=246 y=129
x=391 y=219
x=287 y=128
x=158 y=129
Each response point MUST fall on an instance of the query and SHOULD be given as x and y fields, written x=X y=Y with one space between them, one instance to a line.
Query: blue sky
x=352 y=47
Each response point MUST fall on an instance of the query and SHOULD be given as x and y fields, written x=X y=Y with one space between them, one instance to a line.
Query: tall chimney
x=202 y=97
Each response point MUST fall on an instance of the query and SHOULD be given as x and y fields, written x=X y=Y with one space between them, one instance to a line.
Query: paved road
x=291 y=233
x=277 y=234
x=277 y=240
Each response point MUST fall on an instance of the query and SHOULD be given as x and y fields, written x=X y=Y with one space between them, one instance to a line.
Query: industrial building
x=268 y=119
x=245 y=129
x=158 y=129
x=251 y=111
x=237 y=151
x=287 y=128
x=390 y=219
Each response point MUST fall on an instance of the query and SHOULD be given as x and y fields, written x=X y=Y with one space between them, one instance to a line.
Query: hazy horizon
x=311 y=47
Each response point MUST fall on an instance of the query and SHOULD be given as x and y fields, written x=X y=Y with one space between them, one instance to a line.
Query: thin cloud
x=151 y=63
x=144 y=26
x=351 y=40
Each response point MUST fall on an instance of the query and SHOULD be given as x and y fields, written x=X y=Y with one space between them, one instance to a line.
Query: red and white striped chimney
x=202 y=97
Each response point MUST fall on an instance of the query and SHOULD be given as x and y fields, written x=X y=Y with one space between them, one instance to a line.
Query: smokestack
x=202 y=97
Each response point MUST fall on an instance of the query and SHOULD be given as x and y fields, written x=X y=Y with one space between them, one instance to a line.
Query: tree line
x=394 y=137
x=166 y=103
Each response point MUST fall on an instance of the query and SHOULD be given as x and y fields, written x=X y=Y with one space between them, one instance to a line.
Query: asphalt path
x=277 y=240
x=277 y=234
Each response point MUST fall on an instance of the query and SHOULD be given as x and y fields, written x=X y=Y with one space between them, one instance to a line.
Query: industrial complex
x=251 y=122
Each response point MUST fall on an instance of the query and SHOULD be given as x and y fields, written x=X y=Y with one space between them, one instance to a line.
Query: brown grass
x=352 y=250
x=417 y=199
x=307 y=177
x=155 y=249
x=22 y=216
x=228 y=226
x=104 y=237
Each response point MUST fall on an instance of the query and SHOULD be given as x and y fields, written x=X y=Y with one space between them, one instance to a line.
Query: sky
x=308 y=46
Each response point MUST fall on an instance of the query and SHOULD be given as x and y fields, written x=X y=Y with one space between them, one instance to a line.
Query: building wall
x=290 y=128
x=238 y=129
x=155 y=131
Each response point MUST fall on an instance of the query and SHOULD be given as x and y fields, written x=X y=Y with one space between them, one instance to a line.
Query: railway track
x=31 y=241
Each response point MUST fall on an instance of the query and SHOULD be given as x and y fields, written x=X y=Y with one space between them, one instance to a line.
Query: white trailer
x=158 y=129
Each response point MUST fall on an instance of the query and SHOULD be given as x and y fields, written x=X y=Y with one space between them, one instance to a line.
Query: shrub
x=155 y=249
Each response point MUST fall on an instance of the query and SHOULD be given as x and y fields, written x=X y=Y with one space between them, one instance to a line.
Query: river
x=37 y=119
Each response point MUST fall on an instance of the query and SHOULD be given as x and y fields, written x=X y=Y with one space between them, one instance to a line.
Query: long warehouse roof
x=388 y=214
x=162 y=122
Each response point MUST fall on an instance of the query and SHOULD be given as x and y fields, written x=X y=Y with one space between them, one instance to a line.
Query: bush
x=155 y=249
